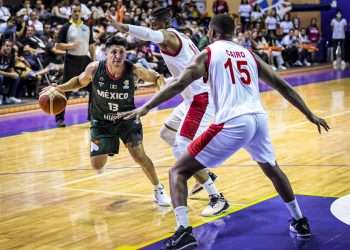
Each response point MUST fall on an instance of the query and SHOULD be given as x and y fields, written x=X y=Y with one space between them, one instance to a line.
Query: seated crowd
x=29 y=59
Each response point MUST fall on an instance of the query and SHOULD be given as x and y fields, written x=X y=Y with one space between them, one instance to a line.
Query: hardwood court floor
x=51 y=199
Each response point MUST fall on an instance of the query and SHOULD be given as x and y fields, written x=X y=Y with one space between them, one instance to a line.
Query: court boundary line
x=207 y=220
x=106 y=173
x=149 y=196
x=171 y=157
x=211 y=219
x=109 y=169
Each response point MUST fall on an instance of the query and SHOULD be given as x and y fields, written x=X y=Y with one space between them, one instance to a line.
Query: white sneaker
x=306 y=63
x=298 y=63
x=273 y=68
x=14 y=100
x=281 y=67
x=217 y=204
x=161 y=198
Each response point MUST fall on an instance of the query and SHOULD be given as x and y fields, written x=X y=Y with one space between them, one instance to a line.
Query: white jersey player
x=196 y=112
x=240 y=122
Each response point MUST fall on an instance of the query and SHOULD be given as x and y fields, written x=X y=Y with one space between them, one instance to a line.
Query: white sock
x=158 y=186
x=181 y=214
x=100 y=170
x=210 y=187
x=294 y=209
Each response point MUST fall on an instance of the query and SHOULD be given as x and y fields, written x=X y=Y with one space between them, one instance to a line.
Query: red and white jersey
x=177 y=63
x=233 y=79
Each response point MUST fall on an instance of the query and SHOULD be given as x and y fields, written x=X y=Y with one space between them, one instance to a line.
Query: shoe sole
x=162 y=204
x=200 y=188
x=292 y=230
x=223 y=210
x=190 y=246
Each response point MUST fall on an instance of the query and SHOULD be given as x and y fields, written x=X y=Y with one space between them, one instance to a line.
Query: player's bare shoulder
x=92 y=68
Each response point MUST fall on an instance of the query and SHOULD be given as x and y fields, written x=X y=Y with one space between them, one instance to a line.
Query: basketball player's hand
x=53 y=86
x=136 y=113
x=319 y=122
x=46 y=89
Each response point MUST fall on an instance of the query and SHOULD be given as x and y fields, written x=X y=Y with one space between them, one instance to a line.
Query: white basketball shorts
x=220 y=141
x=190 y=120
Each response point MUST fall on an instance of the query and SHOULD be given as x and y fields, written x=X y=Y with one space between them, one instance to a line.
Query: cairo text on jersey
x=235 y=54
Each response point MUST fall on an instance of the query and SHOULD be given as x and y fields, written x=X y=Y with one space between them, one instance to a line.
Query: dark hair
x=116 y=40
x=4 y=40
x=223 y=24
x=161 y=13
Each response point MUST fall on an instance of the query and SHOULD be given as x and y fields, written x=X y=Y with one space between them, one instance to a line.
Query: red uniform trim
x=194 y=115
x=178 y=50
x=110 y=75
x=203 y=140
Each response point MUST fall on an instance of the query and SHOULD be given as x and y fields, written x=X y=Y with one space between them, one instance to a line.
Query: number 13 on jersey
x=241 y=66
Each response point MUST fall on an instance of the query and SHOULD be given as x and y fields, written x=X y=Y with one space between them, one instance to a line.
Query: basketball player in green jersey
x=113 y=87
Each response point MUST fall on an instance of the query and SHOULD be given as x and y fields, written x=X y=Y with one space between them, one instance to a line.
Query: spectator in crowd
x=10 y=29
x=290 y=52
x=34 y=21
x=220 y=7
x=120 y=11
x=296 y=22
x=286 y=24
x=338 y=25
x=245 y=11
x=271 y=23
x=9 y=79
x=4 y=12
x=61 y=11
x=257 y=17
x=85 y=11
x=26 y=10
x=33 y=48
x=313 y=31
x=42 y=11
x=269 y=53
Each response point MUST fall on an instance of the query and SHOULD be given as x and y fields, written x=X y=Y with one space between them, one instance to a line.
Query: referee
x=76 y=39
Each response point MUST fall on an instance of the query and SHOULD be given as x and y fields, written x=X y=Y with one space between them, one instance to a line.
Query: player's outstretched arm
x=276 y=82
x=165 y=38
x=193 y=72
x=147 y=75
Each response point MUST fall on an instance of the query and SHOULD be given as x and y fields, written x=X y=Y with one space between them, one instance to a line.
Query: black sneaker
x=60 y=124
x=182 y=239
x=300 y=227
x=198 y=187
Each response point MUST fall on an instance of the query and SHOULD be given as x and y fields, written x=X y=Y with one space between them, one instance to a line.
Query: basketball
x=52 y=101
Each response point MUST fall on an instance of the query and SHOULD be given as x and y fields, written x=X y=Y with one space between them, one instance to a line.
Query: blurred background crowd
x=30 y=59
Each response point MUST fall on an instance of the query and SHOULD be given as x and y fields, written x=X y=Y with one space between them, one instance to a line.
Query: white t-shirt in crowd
x=339 y=28
x=271 y=23
x=245 y=10
x=4 y=13
x=286 y=26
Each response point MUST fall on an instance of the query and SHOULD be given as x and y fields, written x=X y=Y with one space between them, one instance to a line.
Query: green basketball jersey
x=109 y=95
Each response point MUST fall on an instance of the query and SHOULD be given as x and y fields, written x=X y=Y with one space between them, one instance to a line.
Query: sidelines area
x=37 y=120
x=266 y=221
x=208 y=219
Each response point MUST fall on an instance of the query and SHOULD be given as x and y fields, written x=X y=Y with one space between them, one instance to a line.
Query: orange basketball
x=52 y=101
